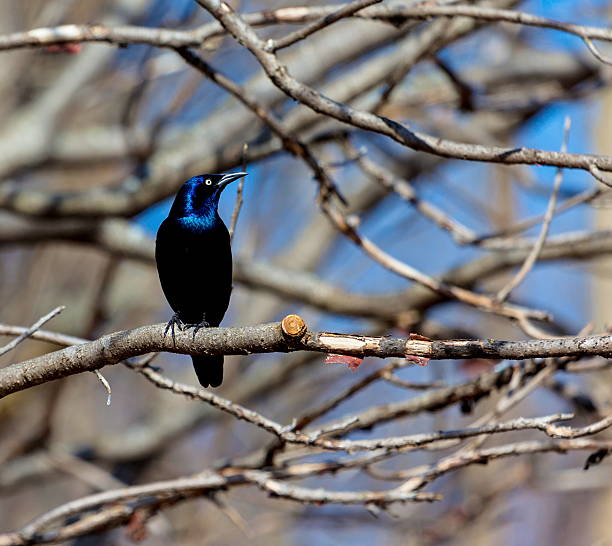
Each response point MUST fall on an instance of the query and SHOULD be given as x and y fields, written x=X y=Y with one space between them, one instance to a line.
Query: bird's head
x=202 y=192
x=205 y=186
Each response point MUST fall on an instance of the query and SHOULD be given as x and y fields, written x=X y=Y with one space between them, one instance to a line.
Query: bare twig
x=292 y=144
x=420 y=476
x=387 y=375
x=531 y=259
x=317 y=496
x=239 y=192
x=345 y=11
x=398 y=267
x=461 y=234
x=334 y=402
x=167 y=489
x=498 y=239
x=106 y=386
x=160 y=37
x=599 y=176
x=27 y=333
x=596 y=53
x=232 y=514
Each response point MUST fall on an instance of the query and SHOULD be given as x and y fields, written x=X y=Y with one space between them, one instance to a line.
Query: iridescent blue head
x=199 y=196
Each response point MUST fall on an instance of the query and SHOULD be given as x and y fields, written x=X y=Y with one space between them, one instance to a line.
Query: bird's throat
x=200 y=221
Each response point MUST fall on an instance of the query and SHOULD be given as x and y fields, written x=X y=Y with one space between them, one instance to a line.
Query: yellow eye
x=208 y=181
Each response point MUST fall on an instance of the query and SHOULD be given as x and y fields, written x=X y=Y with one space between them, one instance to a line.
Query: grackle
x=194 y=263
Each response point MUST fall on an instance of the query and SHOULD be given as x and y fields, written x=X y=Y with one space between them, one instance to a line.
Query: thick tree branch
x=267 y=338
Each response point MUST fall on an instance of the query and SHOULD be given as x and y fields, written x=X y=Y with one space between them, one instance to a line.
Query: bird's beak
x=229 y=178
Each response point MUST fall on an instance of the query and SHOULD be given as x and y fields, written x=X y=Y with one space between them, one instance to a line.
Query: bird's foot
x=197 y=327
x=174 y=321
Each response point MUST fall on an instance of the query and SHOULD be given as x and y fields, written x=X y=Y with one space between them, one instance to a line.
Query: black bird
x=194 y=262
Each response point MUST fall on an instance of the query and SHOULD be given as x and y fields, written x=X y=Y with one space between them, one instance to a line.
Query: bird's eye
x=208 y=181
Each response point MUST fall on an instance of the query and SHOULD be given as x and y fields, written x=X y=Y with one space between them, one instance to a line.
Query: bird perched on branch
x=194 y=263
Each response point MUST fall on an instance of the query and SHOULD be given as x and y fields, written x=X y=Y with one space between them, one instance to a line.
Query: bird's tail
x=209 y=370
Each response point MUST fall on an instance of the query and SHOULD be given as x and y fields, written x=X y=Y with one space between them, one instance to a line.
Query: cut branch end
x=293 y=326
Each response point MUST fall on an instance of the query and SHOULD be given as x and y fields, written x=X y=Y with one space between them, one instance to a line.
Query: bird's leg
x=198 y=326
x=174 y=321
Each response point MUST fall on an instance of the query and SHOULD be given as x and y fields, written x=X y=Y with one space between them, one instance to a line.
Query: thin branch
x=532 y=258
x=162 y=37
x=292 y=144
x=498 y=240
x=334 y=402
x=391 y=378
x=498 y=15
x=239 y=193
x=567 y=432
x=227 y=406
x=106 y=386
x=385 y=177
x=596 y=53
x=482 y=301
x=599 y=176
x=27 y=333
x=544 y=424
x=170 y=488
x=56 y=338
x=345 y=11
x=320 y=496
x=232 y=515
x=419 y=477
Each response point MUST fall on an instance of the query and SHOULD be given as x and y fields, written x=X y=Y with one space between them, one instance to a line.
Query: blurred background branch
x=401 y=166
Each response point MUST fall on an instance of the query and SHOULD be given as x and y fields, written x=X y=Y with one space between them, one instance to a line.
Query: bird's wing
x=195 y=270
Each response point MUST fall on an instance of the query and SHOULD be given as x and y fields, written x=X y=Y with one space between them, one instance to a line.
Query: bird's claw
x=197 y=327
x=174 y=321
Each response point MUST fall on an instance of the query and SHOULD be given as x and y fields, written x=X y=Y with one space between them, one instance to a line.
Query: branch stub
x=293 y=326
